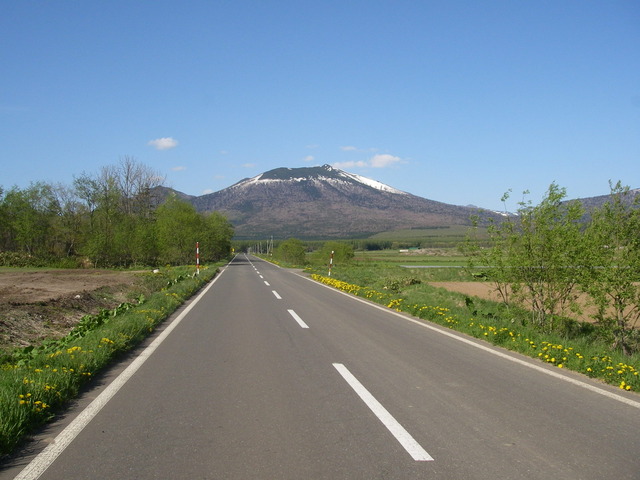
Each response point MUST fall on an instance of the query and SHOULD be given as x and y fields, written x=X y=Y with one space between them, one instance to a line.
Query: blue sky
x=455 y=101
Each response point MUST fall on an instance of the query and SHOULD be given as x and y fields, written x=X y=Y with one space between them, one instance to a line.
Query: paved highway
x=268 y=375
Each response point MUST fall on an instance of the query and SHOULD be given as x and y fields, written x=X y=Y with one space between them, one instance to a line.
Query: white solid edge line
x=297 y=318
x=276 y=294
x=538 y=368
x=45 y=458
x=412 y=447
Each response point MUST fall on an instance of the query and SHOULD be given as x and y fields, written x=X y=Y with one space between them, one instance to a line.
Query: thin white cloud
x=249 y=165
x=348 y=148
x=377 y=161
x=179 y=168
x=383 y=160
x=164 y=143
x=207 y=191
x=309 y=158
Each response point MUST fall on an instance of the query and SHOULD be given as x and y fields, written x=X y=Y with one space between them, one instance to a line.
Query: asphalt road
x=269 y=375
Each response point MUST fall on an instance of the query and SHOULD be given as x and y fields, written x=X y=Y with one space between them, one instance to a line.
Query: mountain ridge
x=325 y=202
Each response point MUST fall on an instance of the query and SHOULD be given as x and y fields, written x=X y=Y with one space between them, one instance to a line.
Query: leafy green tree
x=144 y=242
x=215 y=238
x=28 y=216
x=291 y=251
x=342 y=253
x=87 y=190
x=545 y=252
x=69 y=226
x=132 y=234
x=120 y=208
x=533 y=257
x=5 y=224
x=178 y=228
x=612 y=268
x=103 y=244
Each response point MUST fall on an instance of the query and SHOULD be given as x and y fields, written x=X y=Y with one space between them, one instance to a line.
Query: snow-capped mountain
x=324 y=202
x=325 y=173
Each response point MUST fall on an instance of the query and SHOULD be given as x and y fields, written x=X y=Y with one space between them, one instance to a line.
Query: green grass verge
x=37 y=382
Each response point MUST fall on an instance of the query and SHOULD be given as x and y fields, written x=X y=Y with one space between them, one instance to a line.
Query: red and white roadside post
x=330 y=262
x=197 y=258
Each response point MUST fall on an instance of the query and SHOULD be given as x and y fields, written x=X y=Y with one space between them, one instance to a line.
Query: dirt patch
x=36 y=305
x=487 y=291
x=474 y=289
x=44 y=285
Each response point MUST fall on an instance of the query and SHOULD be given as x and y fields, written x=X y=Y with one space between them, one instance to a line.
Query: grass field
x=435 y=237
x=435 y=257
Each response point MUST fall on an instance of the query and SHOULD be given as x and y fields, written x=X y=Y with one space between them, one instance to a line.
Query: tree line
x=112 y=218
x=294 y=252
x=552 y=256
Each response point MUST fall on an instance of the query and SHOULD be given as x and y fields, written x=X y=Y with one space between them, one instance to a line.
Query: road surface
x=269 y=375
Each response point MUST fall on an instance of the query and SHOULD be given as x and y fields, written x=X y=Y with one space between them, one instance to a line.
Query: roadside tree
x=533 y=258
x=215 y=238
x=291 y=251
x=612 y=272
x=545 y=252
x=342 y=253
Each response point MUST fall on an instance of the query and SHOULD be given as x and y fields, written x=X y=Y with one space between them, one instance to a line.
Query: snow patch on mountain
x=333 y=175
x=373 y=183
